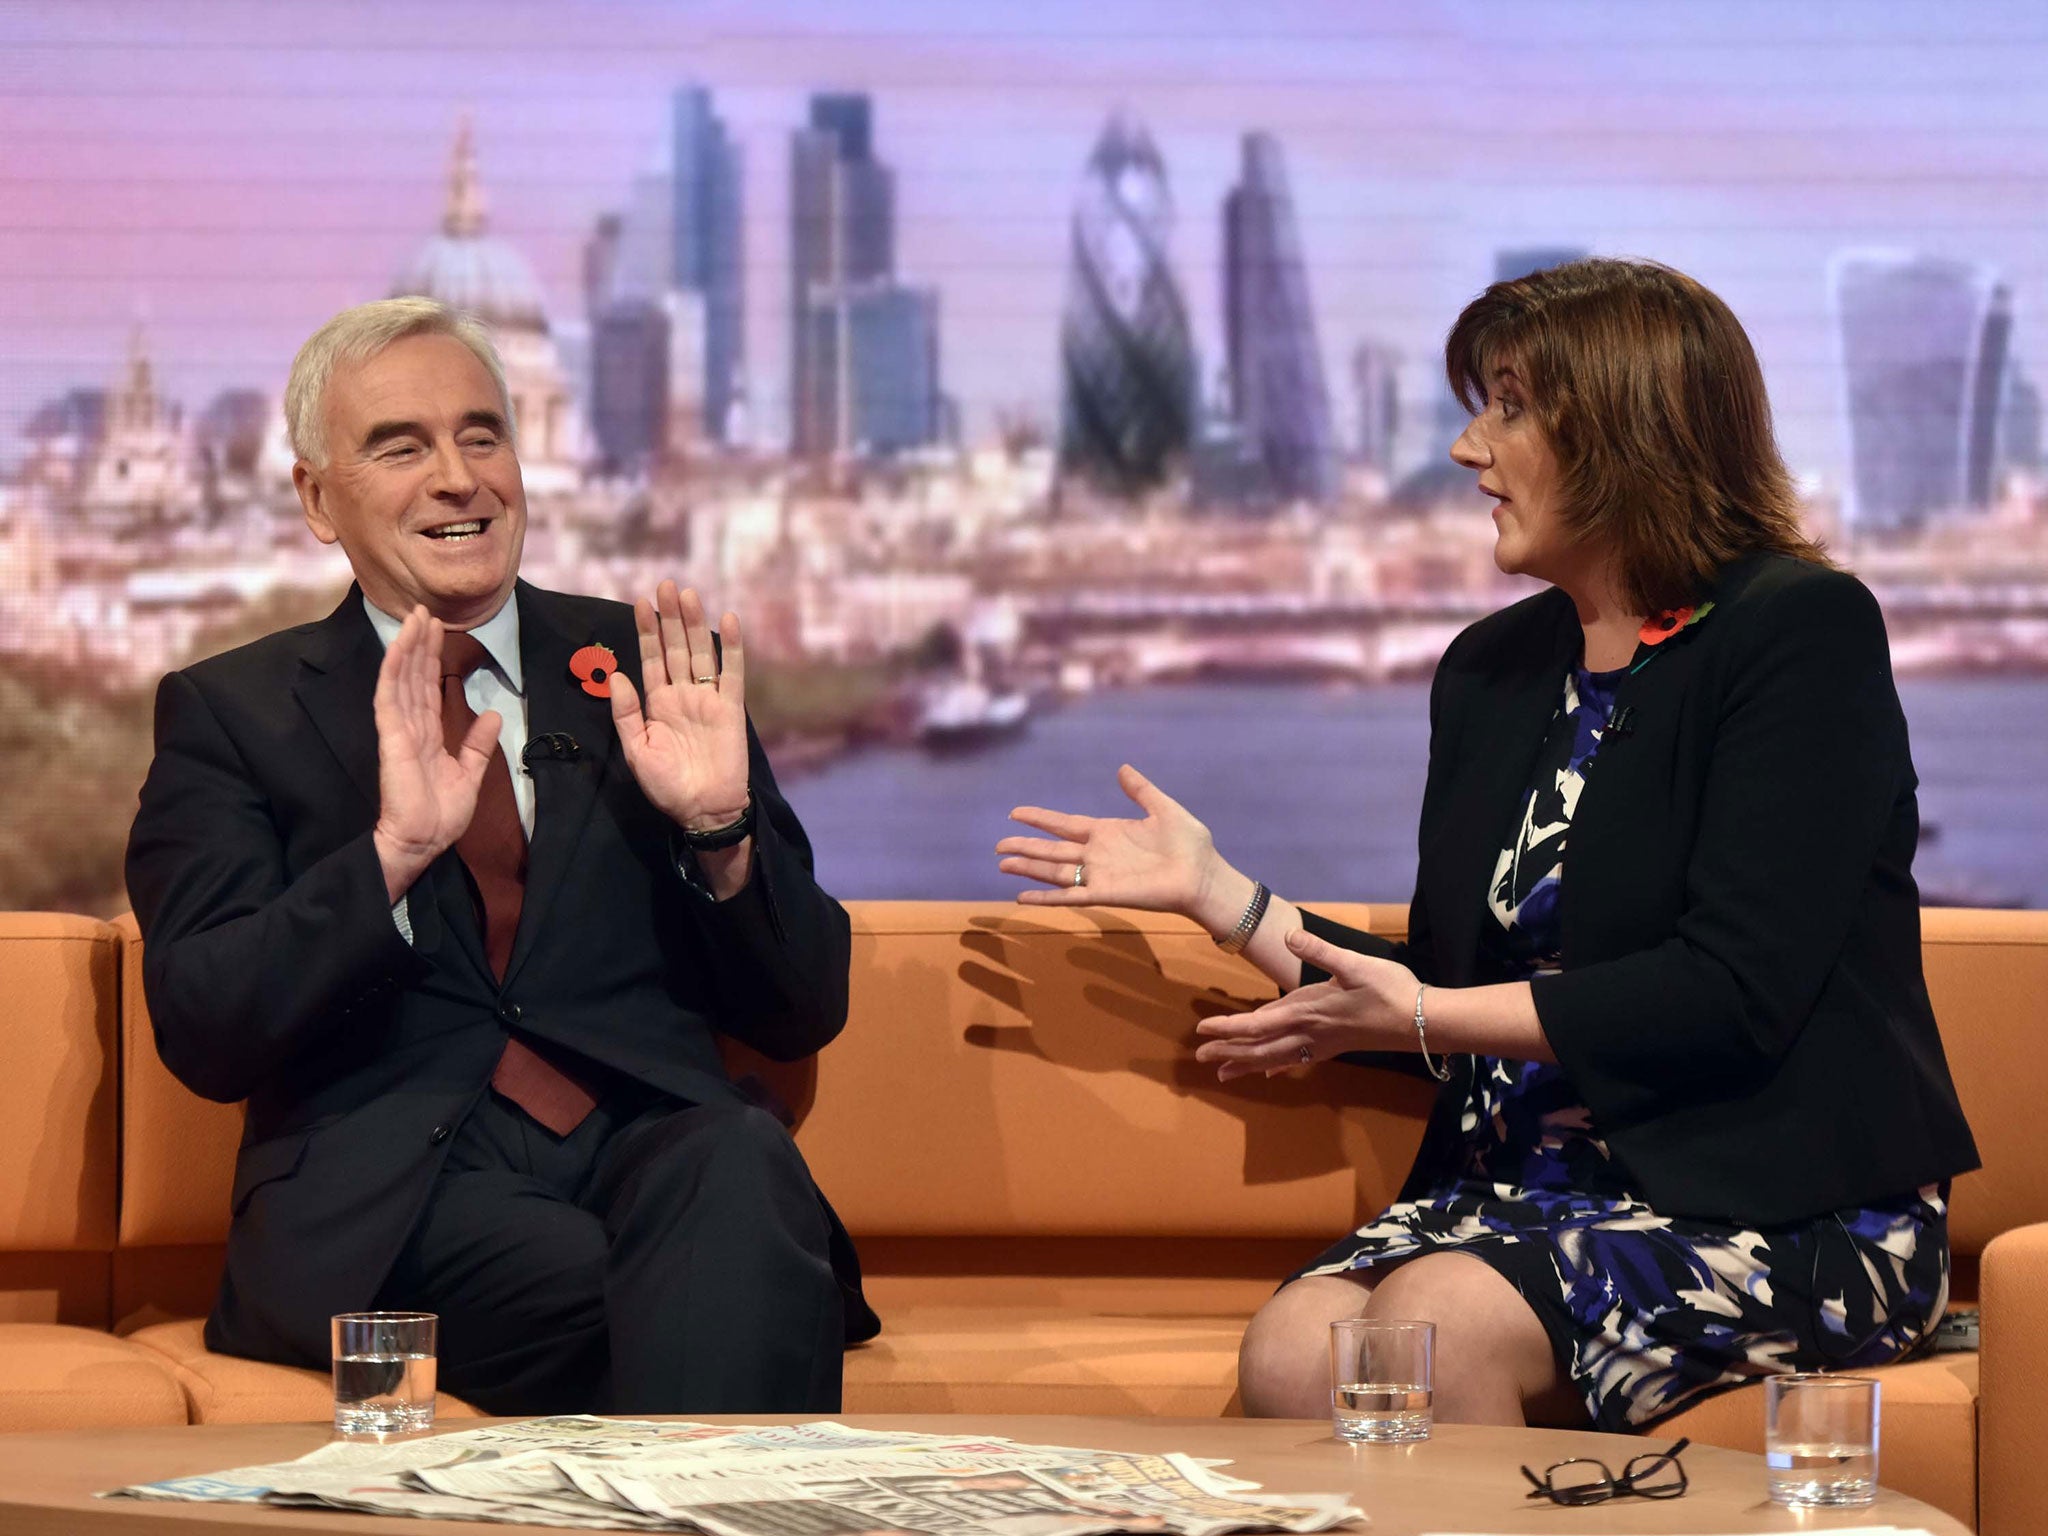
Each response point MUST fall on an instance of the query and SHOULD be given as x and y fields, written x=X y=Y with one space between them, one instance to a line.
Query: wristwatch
x=727 y=836
x=684 y=846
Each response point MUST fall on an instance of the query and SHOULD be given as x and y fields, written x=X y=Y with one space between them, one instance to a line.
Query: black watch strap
x=726 y=836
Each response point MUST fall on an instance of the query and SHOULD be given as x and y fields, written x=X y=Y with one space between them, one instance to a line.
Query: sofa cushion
x=224 y=1389
x=1987 y=973
x=1122 y=1345
x=1041 y=1048
x=54 y=1377
x=67 y=1286
x=177 y=1149
x=2013 y=1470
x=58 y=976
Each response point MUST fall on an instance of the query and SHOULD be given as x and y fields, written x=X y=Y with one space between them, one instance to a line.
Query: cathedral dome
x=467 y=269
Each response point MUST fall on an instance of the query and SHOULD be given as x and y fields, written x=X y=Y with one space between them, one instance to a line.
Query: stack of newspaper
x=818 y=1479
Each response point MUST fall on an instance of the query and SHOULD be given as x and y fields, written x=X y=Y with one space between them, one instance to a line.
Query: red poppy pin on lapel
x=593 y=666
x=1659 y=627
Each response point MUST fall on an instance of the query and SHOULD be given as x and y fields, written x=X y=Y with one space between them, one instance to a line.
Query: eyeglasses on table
x=1583 y=1480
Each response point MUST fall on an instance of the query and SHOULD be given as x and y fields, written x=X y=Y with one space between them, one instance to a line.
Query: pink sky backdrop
x=234 y=172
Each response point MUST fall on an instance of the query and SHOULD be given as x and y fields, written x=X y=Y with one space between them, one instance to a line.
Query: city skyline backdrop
x=229 y=174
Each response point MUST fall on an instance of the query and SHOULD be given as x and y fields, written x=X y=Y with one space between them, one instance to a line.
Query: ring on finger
x=1307 y=1056
x=1080 y=876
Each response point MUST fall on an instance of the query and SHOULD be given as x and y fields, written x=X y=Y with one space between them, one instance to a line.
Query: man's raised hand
x=426 y=795
x=686 y=742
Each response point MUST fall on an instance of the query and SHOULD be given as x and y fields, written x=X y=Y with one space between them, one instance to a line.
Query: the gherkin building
x=1126 y=358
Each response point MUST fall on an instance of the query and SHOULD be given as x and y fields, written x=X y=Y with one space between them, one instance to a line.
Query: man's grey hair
x=355 y=336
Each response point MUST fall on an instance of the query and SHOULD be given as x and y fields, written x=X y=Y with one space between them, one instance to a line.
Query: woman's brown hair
x=1650 y=396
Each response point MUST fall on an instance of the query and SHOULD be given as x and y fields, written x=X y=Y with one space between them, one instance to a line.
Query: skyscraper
x=679 y=244
x=1923 y=347
x=629 y=385
x=601 y=266
x=816 y=267
x=2019 y=429
x=1277 y=390
x=877 y=346
x=1375 y=374
x=642 y=250
x=864 y=347
x=705 y=251
x=866 y=188
x=1127 y=362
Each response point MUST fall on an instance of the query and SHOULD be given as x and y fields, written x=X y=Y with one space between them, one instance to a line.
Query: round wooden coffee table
x=1465 y=1479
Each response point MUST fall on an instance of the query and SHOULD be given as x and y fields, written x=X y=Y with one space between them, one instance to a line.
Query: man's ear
x=313 y=502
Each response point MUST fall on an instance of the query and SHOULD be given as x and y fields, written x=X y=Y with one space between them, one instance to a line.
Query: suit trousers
x=660 y=1258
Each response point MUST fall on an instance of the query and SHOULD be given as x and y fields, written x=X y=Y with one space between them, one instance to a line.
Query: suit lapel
x=565 y=790
x=337 y=688
x=1508 y=717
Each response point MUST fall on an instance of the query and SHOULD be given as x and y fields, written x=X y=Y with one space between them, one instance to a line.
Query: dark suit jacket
x=1741 y=1001
x=275 y=974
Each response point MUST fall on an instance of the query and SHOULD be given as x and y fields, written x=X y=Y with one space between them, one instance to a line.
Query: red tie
x=494 y=849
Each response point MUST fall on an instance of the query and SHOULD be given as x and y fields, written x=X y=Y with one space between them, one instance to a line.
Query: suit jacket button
x=440 y=1134
x=508 y=1013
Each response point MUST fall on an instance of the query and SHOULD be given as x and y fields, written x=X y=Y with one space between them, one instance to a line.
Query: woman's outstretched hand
x=1163 y=861
x=1367 y=1004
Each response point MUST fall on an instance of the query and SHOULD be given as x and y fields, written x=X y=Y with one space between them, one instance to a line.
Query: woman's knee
x=1491 y=1347
x=1283 y=1361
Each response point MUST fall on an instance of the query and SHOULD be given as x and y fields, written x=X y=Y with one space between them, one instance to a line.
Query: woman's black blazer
x=1741 y=1002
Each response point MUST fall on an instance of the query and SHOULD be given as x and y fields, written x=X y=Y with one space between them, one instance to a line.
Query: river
x=1315 y=789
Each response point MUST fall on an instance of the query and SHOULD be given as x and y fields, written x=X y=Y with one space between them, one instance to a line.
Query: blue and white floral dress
x=1645 y=1312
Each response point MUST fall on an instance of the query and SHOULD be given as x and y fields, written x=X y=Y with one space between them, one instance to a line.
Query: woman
x=1696 y=1125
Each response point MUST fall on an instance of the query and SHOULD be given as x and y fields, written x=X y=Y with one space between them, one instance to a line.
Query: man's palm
x=686 y=741
x=426 y=794
x=690 y=753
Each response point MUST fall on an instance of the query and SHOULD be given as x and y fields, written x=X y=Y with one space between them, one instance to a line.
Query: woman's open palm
x=1160 y=862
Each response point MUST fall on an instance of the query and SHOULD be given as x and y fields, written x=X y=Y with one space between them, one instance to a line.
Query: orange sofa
x=1058 y=1211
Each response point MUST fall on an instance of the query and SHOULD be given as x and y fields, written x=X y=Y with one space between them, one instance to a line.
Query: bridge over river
x=1154 y=636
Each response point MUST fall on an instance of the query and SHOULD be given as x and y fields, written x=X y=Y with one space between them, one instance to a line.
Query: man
x=454 y=887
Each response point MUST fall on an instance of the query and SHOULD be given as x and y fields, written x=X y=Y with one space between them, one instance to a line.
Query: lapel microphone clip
x=550 y=747
x=1621 y=721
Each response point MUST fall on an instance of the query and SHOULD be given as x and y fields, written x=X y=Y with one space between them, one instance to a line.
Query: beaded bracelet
x=1233 y=942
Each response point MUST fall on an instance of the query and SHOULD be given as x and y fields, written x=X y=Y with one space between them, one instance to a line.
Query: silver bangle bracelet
x=1233 y=942
x=1441 y=1068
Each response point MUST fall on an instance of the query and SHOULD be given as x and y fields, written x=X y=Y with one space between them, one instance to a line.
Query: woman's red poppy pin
x=1659 y=627
x=593 y=666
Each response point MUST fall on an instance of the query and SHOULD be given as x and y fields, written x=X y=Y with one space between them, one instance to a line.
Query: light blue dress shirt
x=500 y=686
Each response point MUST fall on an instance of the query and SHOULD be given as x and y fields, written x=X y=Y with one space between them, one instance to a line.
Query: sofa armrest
x=2012 y=1405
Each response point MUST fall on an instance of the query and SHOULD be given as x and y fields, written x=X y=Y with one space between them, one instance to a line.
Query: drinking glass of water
x=1820 y=1438
x=383 y=1373
x=1380 y=1371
